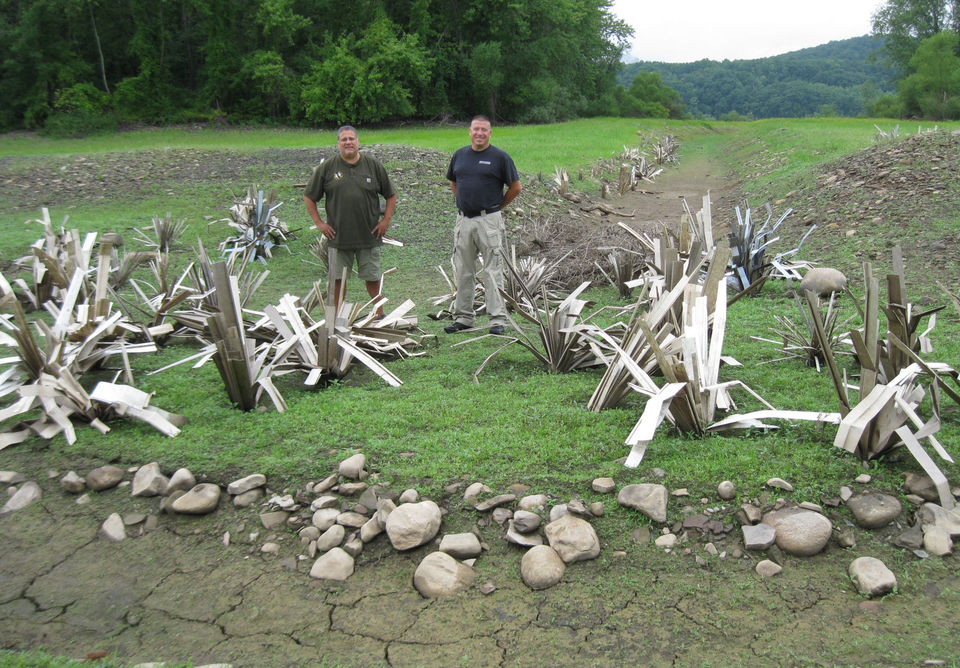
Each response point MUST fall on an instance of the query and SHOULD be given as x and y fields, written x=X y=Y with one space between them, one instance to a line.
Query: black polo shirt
x=481 y=177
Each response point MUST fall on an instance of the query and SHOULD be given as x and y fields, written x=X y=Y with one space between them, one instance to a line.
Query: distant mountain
x=834 y=78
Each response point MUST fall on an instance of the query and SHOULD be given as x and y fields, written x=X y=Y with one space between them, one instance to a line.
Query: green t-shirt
x=352 y=198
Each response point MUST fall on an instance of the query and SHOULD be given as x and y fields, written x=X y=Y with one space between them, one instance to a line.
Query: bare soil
x=179 y=594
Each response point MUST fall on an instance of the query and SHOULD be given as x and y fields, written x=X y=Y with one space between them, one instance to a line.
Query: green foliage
x=648 y=97
x=80 y=110
x=933 y=89
x=904 y=24
x=367 y=80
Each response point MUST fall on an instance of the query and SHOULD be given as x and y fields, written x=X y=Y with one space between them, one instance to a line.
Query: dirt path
x=177 y=593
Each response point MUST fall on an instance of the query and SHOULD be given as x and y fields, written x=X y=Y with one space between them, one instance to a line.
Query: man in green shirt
x=352 y=183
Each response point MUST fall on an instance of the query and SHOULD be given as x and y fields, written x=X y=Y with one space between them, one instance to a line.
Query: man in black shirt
x=478 y=174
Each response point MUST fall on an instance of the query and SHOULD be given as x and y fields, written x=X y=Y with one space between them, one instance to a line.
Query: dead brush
x=559 y=340
x=259 y=229
x=799 y=340
x=166 y=232
x=623 y=269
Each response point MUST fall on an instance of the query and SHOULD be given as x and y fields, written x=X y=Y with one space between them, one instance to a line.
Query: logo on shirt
x=484 y=162
x=337 y=176
x=368 y=179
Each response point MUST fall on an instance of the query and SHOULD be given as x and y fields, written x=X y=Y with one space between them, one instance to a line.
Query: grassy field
x=519 y=424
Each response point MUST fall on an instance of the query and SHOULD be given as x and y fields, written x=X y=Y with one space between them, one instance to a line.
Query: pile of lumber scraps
x=879 y=423
x=259 y=229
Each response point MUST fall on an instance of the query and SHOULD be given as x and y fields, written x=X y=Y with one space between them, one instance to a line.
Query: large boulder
x=541 y=567
x=439 y=574
x=801 y=533
x=411 y=525
x=573 y=538
x=823 y=281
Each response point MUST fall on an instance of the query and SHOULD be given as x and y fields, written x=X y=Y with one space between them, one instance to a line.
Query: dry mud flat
x=178 y=594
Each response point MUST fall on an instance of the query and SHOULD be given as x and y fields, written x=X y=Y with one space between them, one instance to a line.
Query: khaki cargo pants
x=481 y=235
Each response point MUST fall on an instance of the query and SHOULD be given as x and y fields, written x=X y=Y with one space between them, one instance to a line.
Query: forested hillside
x=836 y=78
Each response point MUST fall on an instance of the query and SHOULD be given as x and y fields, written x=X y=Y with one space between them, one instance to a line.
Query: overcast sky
x=681 y=31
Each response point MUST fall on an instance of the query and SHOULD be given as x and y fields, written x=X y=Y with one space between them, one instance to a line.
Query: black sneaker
x=456 y=327
x=496 y=329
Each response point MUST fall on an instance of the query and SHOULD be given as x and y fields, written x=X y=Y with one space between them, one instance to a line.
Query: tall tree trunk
x=96 y=38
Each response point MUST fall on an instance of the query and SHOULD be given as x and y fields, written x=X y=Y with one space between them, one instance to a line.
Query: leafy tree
x=367 y=80
x=648 y=97
x=933 y=89
x=903 y=24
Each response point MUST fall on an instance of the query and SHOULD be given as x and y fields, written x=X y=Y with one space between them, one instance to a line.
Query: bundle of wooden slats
x=259 y=229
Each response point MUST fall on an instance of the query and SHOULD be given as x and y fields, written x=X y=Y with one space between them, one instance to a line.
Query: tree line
x=307 y=61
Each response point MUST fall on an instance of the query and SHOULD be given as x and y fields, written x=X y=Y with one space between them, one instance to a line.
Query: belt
x=481 y=212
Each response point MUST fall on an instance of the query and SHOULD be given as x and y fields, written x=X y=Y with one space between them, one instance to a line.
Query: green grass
x=519 y=424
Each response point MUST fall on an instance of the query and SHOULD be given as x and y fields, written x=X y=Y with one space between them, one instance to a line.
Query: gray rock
x=751 y=513
x=331 y=538
x=334 y=564
x=495 y=501
x=413 y=524
x=474 y=490
x=409 y=496
x=246 y=483
x=874 y=510
x=325 y=518
x=936 y=540
x=579 y=508
x=369 y=497
x=353 y=545
x=104 y=477
x=371 y=529
x=871 y=576
x=461 y=545
x=666 y=541
x=72 y=483
x=352 y=488
x=603 y=485
x=270 y=548
x=758 y=536
x=922 y=485
x=558 y=511
x=131 y=519
x=780 y=483
x=533 y=502
x=166 y=503
x=541 y=567
x=726 y=490
x=309 y=532
x=801 y=533
x=768 y=569
x=248 y=498
x=26 y=494
x=845 y=493
x=200 y=500
x=649 y=499
x=823 y=281
x=501 y=515
x=181 y=479
x=352 y=520
x=149 y=481
x=324 y=501
x=439 y=574
x=112 y=528
x=911 y=539
x=522 y=539
x=641 y=535
x=11 y=478
x=325 y=484
x=596 y=508
x=274 y=519
x=863 y=478
x=524 y=521
x=384 y=508
x=949 y=520
x=810 y=505
x=353 y=467
x=573 y=538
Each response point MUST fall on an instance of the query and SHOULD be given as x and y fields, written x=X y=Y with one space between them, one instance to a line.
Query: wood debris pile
x=892 y=374
x=86 y=334
x=251 y=348
x=802 y=341
x=259 y=230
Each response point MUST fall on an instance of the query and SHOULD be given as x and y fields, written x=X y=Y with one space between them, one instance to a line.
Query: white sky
x=681 y=31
